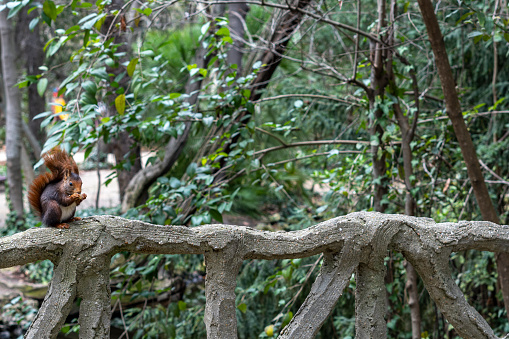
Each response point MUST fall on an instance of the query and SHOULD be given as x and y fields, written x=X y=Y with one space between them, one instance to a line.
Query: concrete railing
x=356 y=243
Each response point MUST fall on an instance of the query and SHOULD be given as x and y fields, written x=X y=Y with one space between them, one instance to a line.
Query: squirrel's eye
x=70 y=183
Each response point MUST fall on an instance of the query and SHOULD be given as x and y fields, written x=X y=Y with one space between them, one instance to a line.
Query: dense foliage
x=282 y=155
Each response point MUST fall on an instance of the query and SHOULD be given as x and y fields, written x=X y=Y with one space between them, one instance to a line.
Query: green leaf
x=287 y=319
x=120 y=104
x=86 y=38
x=147 y=11
x=474 y=34
x=23 y=84
x=132 y=66
x=15 y=8
x=48 y=43
x=88 y=151
x=482 y=18
x=90 y=20
x=182 y=305
x=203 y=72
x=72 y=29
x=33 y=23
x=506 y=37
x=148 y=53
x=175 y=183
x=228 y=39
x=242 y=307
x=223 y=31
x=216 y=215
x=32 y=9
x=54 y=47
x=464 y=16
x=90 y=87
x=84 y=5
x=46 y=18
x=43 y=115
x=205 y=28
x=208 y=122
x=50 y=9
x=191 y=169
x=99 y=23
x=41 y=86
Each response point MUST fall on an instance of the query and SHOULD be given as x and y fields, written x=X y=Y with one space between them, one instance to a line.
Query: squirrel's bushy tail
x=60 y=164
x=57 y=160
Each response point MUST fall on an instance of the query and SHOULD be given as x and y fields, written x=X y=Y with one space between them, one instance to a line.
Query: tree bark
x=281 y=35
x=13 y=115
x=407 y=135
x=335 y=274
x=220 y=283
x=237 y=11
x=276 y=48
x=378 y=83
x=454 y=112
x=33 y=54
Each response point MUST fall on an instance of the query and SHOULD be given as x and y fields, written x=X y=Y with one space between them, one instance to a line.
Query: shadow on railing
x=356 y=243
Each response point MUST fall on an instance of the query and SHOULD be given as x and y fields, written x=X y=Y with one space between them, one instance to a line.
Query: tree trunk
x=33 y=55
x=26 y=165
x=13 y=115
x=280 y=38
x=378 y=84
x=407 y=133
x=237 y=14
x=454 y=112
x=375 y=323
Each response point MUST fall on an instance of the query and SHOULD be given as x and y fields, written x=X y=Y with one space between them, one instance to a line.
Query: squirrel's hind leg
x=52 y=214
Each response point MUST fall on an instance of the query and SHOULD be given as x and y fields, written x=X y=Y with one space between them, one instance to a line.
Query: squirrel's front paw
x=62 y=225
x=75 y=196
x=80 y=198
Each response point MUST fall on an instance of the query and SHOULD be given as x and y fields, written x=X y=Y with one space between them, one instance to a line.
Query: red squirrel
x=55 y=195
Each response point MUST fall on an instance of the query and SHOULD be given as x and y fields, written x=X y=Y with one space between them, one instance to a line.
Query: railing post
x=334 y=275
x=94 y=291
x=220 y=282
x=58 y=301
x=370 y=300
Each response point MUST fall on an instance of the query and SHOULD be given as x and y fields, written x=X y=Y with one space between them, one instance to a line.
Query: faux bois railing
x=355 y=243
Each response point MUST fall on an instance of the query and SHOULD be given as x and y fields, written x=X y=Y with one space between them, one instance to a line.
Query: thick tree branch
x=468 y=150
